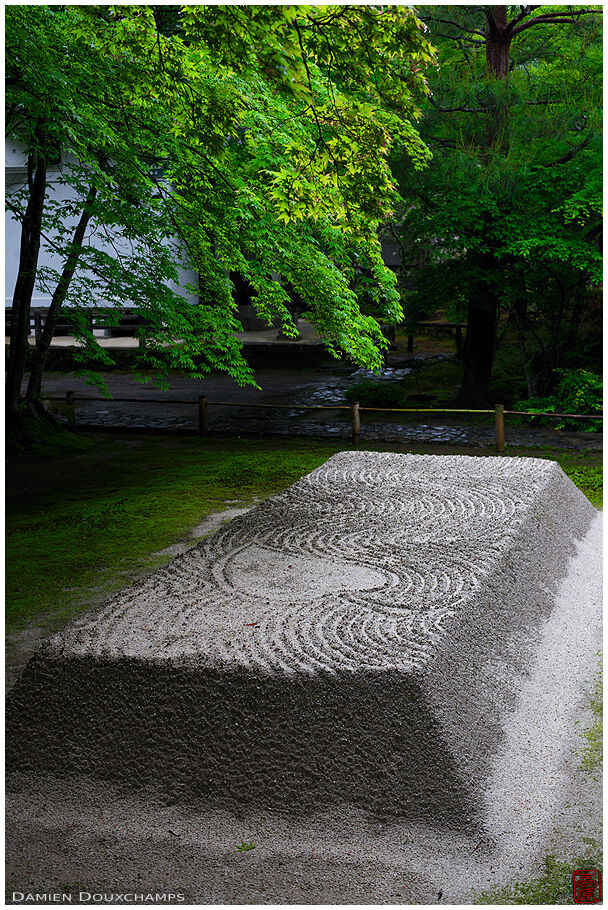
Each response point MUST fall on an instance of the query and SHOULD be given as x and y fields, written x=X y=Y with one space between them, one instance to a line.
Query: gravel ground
x=473 y=722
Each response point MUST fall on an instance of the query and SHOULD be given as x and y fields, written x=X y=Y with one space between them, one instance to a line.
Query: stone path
x=306 y=387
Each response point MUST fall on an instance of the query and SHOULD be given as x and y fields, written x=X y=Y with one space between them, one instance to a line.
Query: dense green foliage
x=252 y=135
x=252 y=144
x=504 y=224
x=576 y=392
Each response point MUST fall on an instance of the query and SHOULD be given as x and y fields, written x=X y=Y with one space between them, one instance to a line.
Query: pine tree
x=506 y=217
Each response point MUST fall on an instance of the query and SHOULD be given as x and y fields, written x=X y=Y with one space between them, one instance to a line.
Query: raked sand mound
x=356 y=640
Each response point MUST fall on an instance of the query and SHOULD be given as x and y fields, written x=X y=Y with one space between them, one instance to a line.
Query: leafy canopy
x=517 y=165
x=224 y=139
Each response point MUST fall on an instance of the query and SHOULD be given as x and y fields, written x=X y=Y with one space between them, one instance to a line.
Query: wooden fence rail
x=355 y=409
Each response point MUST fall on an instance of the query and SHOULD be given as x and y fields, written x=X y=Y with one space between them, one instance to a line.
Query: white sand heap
x=357 y=640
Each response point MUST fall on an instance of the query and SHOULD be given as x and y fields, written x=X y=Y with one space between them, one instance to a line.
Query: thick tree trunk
x=483 y=308
x=478 y=351
x=24 y=287
x=498 y=44
x=40 y=355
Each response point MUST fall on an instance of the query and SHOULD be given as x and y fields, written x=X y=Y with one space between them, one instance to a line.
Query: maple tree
x=216 y=139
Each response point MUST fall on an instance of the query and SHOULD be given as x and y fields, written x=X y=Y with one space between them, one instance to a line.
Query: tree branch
x=461 y=39
x=458 y=25
x=552 y=17
x=54 y=246
x=463 y=110
x=525 y=11
x=573 y=151
x=449 y=143
x=305 y=62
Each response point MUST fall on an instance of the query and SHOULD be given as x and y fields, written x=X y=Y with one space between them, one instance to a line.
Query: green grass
x=82 y=525
x=554 y=886
x=85 y=523
x=591 y=753
x=588 y=478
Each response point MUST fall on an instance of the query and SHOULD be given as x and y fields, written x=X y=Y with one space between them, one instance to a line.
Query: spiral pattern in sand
x=359 y=565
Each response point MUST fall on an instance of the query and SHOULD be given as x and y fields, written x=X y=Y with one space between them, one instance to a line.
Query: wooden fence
x=127 y=324
x=355 y=409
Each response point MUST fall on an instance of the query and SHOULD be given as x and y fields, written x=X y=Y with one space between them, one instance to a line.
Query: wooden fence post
x=71 y=410
x=203 y=421
x=410 y=343
x=356 y=422
x=500 y=427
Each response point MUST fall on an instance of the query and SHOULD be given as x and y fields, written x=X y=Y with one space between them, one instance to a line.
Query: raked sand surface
x=374 y=677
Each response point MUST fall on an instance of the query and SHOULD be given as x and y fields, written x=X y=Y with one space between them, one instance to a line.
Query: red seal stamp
x=587 y=886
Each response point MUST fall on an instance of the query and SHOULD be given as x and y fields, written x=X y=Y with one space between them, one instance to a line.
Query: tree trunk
x=483 y=308
x=478 y=351
x=574 y=323
x=40 y=355
x=24 y=287
x=498 y=44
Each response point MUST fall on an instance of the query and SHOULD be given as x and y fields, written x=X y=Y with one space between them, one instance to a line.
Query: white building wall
x=16 y=178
